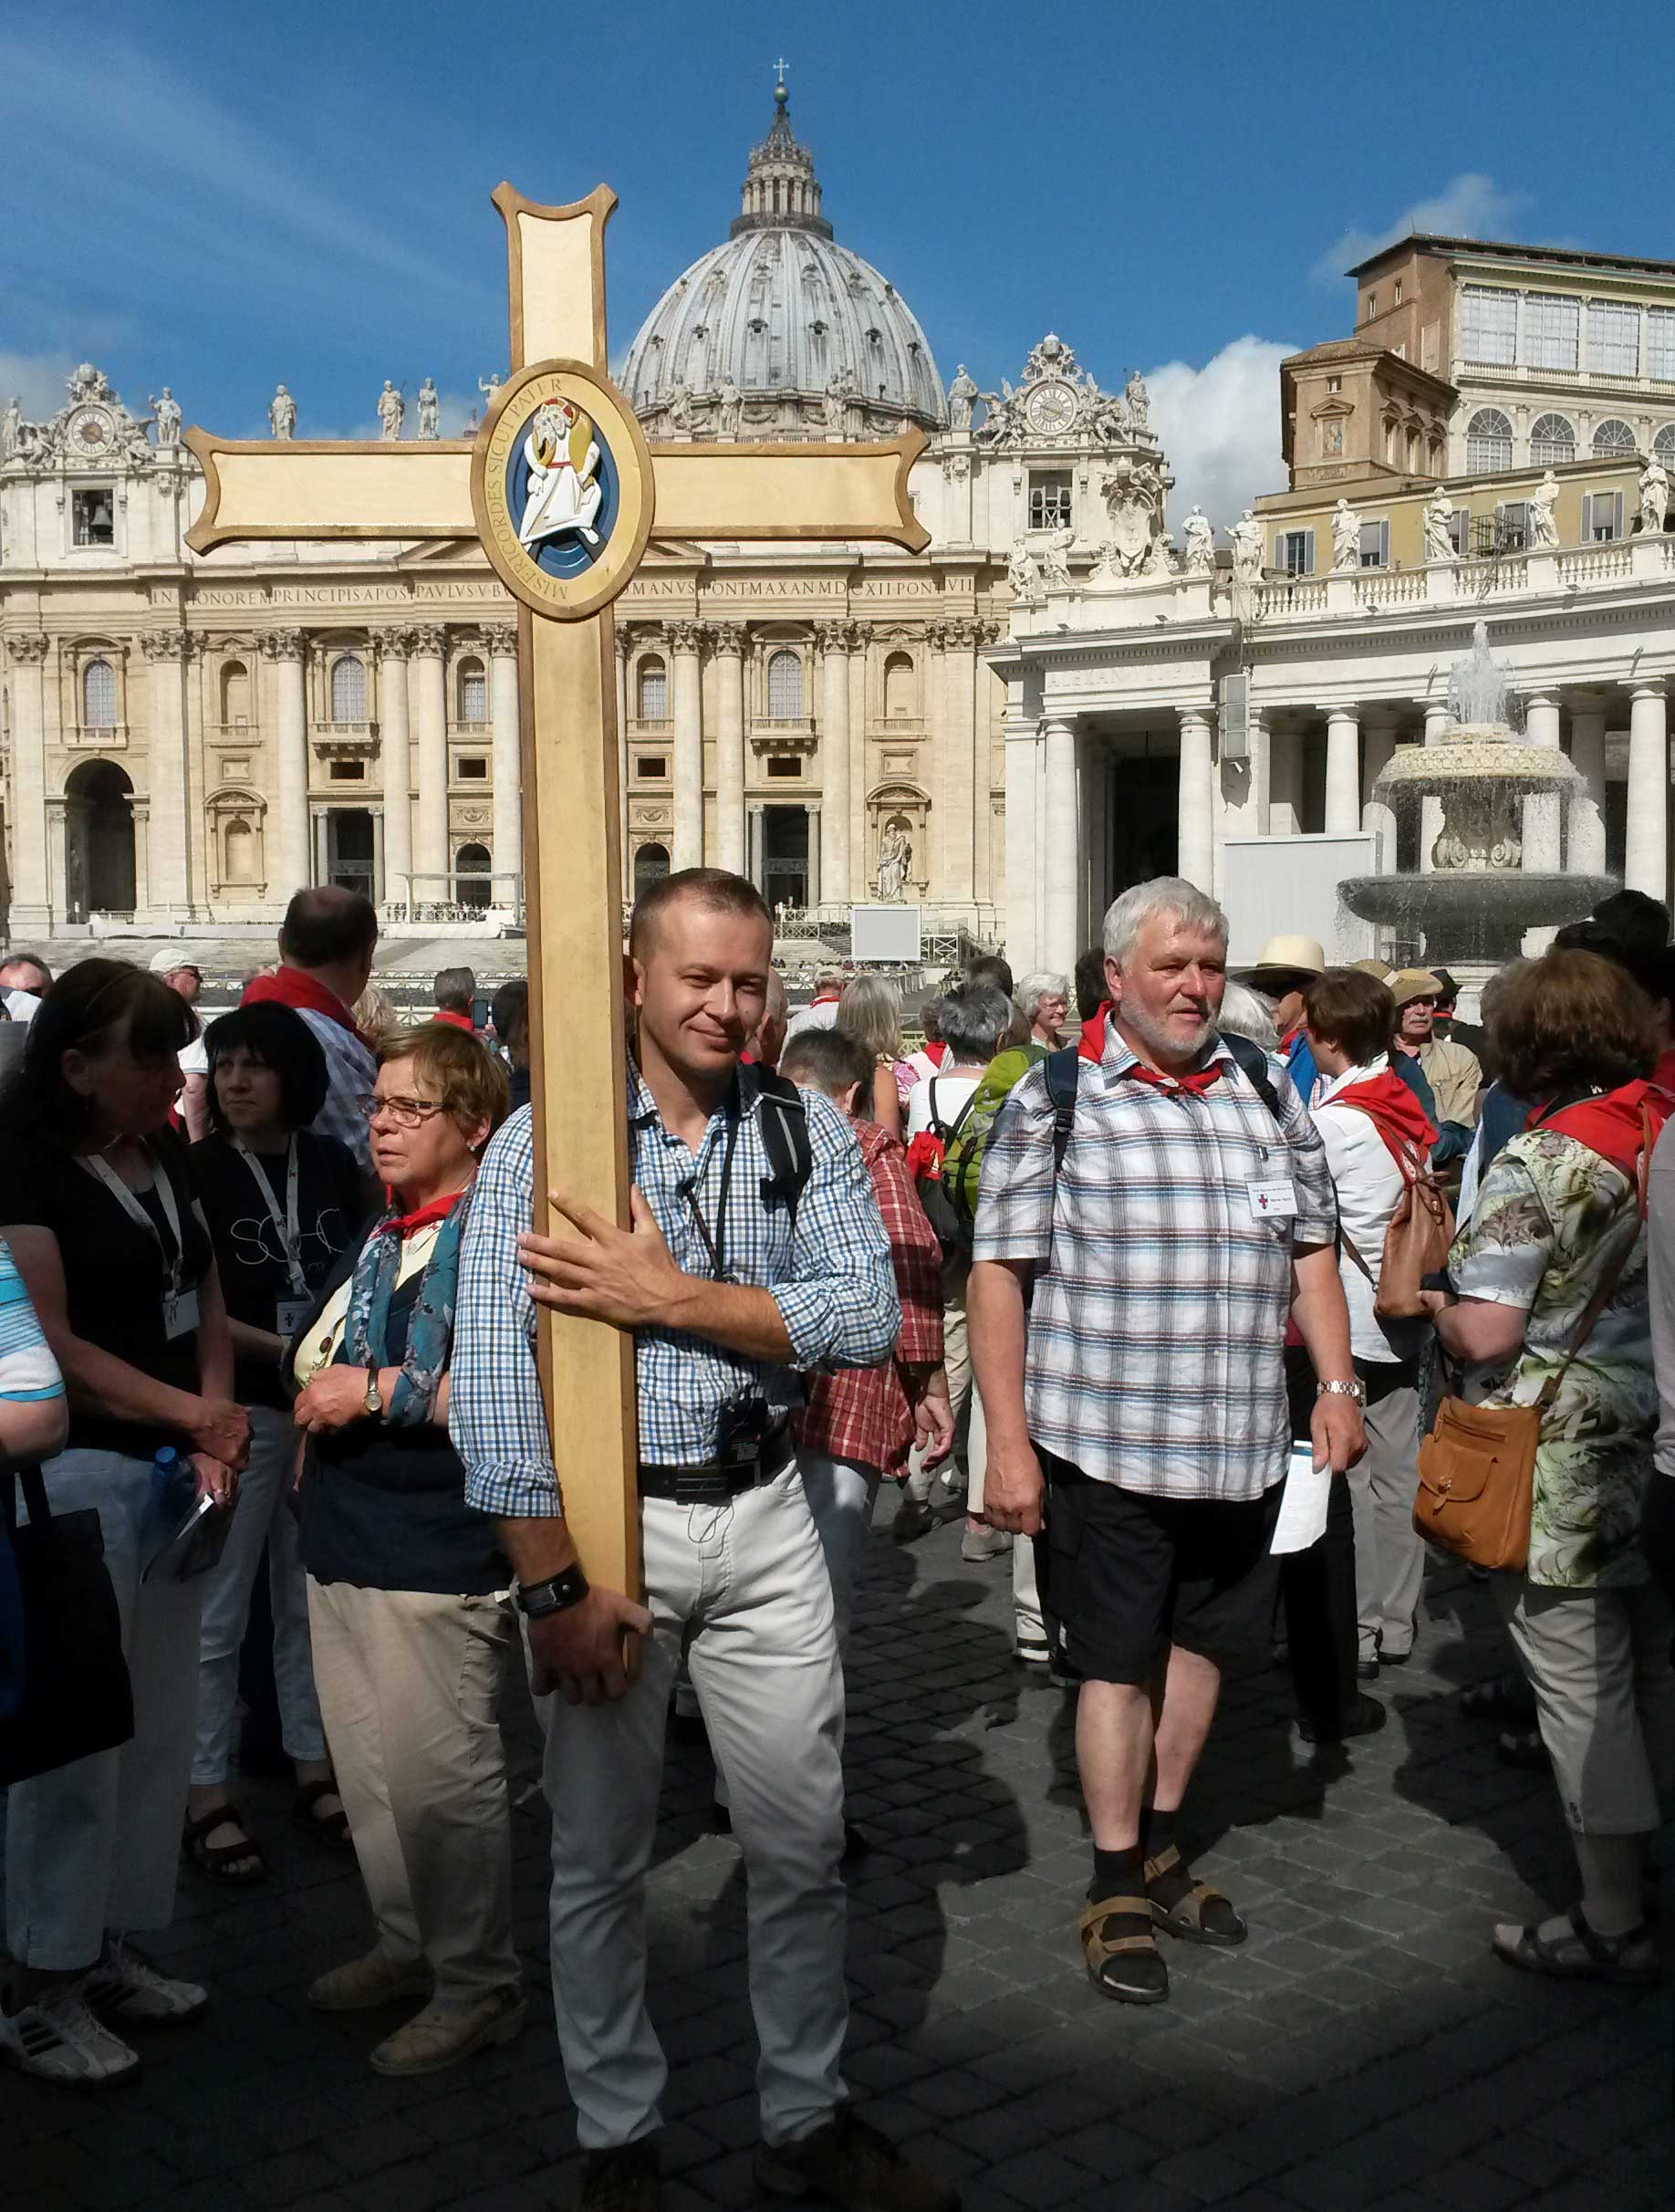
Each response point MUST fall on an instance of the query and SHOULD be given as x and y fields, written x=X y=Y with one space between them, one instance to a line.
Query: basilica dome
x=781 y=333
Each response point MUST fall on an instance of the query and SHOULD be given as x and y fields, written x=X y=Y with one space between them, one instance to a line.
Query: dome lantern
x=780 y=191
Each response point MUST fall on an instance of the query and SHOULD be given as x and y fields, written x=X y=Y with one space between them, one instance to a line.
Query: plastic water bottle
x=172 y=1482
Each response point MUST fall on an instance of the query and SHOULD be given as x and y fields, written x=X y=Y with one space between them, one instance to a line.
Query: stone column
x=289 y=868
x=812 y=890
x=506 y=760
x=1430 y=810
x=1195 y=812
x=30 y=913
x=620 y=640
x=755 y=822
x=959 y=789
x=430 y=858
x=1378 y=818
x=166 y=654
x=1646 y=856
x=834 y=639
x=1543 y=820
x=395 y=739
x=1588 y=825
x=1022 y=915
x=686 y=642
x=727 y=647
x=1062 y=848
x=1343 y=772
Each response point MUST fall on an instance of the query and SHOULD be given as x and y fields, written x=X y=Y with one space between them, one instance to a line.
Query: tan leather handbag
x=1477 y=1467
x=1416 y=1244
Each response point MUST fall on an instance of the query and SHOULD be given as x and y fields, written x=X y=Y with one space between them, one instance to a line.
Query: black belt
x=715 y=1481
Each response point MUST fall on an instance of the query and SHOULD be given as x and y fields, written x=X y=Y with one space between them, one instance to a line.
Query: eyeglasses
x=406 y=1113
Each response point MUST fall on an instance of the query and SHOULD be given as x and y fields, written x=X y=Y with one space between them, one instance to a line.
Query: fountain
x=1477 y=898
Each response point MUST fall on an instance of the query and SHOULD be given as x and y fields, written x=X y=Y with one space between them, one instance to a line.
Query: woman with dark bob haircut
x=1558 y=1229
x=96 y=1204
x=281 y=1203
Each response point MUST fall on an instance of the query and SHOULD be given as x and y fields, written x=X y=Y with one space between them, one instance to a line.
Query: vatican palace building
x=1075 y=686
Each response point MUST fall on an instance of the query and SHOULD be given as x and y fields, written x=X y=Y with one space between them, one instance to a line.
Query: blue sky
x=220 y=196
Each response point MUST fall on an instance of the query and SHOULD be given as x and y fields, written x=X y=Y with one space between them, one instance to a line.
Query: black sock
x=1116 y=1873
x=1158 y=1830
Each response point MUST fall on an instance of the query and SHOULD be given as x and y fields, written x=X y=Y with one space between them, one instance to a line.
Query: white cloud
x=1470 y=207
x=38 y=380
x=1220 y=427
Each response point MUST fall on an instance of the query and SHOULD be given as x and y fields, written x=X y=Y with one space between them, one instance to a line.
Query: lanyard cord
x=288 y=1225
x=97 y=1165
x=715 y=1245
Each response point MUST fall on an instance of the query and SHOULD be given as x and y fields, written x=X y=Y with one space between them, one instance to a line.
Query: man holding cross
x=757 y=1250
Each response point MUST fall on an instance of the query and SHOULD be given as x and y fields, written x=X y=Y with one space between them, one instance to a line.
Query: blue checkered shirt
x=830 y=1277
x=1158 y=1325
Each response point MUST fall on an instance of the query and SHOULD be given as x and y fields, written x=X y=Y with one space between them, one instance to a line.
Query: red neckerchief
x=459 y=1021
x=1394 y=1113
x=1610 y=1124
x=1090 y=1046
x=1662 y=1077
x=291 y=986
x=826 y=998
x=1291 y=1035
x=421 y=1216
x=1198 y=1082
x=936 y=1053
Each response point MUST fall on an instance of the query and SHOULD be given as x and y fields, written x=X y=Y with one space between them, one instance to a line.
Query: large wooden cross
x=563 y=491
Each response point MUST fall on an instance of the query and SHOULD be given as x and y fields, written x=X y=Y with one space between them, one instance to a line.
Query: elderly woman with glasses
x=411 y=1626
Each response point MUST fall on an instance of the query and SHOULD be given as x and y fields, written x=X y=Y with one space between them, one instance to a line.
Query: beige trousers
x=408 y=1685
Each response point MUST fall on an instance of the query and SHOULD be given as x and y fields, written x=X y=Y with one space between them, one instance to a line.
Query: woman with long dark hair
x=97 y=1206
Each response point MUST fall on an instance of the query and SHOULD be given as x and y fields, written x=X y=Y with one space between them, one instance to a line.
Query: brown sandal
x=1186 y=1913
x=1145 y=1982
x=219 y=1861
x=332 y=1827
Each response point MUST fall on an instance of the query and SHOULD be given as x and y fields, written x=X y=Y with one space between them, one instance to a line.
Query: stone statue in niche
x=1543 y=528
x=1654 y=495
x=1346 y=536
x=1021 y=572
x=281 y=413
x=895 y=858
x=391 y=407
x=166 y=413
x=1199 y=533
x=962 y=396
x=1438 y=526
x=430 y=409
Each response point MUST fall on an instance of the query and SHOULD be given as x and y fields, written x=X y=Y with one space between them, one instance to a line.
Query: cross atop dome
x=781 y=190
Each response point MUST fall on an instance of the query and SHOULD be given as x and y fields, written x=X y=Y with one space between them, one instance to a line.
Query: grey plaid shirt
x=1157 y=1327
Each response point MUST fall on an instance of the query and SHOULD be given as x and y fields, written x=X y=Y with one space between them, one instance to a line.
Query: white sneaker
x=58 y=2040
x=127 y=1988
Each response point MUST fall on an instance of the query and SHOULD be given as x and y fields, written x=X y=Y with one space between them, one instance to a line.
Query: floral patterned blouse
x=1551 y=1218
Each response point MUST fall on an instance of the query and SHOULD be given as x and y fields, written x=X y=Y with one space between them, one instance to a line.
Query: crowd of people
x=1099 y=1269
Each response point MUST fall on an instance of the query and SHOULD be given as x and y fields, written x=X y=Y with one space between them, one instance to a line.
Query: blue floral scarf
x=429 y=1333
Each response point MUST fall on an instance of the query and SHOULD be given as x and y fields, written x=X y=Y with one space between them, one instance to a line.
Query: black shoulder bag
x=77 y=1699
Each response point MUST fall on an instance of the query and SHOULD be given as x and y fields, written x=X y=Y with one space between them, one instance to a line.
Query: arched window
x=348 y=690
x=653 y=690
x=1553 y=441
x=1413 y=451
x=1614 y=437
x=1390 y=443
x=1488 y=441
x=651 y=863
x=1663 y=445
x=785 y=686
x=471 y=876
x=98 y=696
x=901 y=692
x=473 y=692
x=234 y=695
x=241 y=854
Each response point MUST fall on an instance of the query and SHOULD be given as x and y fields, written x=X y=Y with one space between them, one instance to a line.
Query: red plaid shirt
x=864 y=1414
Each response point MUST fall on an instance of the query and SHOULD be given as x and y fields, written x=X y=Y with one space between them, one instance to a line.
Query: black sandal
x=219 y=1861
x=1582 y=1956
x=333 y=1826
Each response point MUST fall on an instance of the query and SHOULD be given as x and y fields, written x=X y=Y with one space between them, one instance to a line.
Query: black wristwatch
x=556 y=1594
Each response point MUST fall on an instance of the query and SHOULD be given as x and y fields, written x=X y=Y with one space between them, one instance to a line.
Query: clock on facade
x=1051 y=407
x=89 y=430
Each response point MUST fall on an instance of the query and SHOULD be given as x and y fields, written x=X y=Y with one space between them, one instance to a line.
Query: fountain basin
x=1455 y=899
x=1477 y=753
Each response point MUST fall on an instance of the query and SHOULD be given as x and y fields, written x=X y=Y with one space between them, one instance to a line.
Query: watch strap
x=556 y=1593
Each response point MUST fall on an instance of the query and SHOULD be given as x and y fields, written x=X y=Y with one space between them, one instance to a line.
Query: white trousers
x=96 y=1844
x=410 y=1688
x=841 y=1493
x=743 y=1587
x=1389 y=1552
x=262 y=1515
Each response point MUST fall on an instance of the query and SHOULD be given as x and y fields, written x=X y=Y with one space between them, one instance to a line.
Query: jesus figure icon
x=560 y=496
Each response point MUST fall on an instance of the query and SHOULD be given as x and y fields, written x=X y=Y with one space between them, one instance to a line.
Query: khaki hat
x=1379 y=970
x=1413 y=982
x=170 y=962
x=1283 y=956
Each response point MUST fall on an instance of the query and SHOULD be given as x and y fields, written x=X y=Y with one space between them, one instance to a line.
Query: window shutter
x=1309 y=553
x=1587 y=518
x=1384 y=545
x=1616 y=513
x=1279 y=552
x=1462 y=532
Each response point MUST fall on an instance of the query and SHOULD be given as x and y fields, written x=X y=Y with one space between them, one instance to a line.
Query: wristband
x=557 y=1594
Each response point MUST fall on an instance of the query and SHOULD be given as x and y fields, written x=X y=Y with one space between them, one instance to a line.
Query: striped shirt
x=1163 y=1277
x=350 y=1073
x=829 y=1276
x=29 y=1372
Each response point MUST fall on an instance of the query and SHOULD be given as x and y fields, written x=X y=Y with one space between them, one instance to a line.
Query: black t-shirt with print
x=249 y=1252
x=115 y=1274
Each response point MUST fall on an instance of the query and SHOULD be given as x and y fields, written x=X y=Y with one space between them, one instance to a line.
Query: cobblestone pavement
x=1362 y=2051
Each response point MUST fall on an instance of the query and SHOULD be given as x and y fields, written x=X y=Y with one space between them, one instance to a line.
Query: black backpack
x=1061 y=1086
x=784 y=1121
x=953 y=1229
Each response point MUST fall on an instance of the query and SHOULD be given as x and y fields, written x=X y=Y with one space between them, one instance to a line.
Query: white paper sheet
x=1303 y=1509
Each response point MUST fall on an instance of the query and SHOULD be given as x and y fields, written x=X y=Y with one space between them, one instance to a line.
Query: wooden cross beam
x=563 y=491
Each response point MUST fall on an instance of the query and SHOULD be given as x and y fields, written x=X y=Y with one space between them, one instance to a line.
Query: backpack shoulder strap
x=1062 y=1082
x=785 y=1137
x=1254 y=1062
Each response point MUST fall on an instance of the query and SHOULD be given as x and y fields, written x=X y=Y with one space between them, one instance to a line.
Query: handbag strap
x=1614 y=1273
x=35 y=1496
x=1351 y=1246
